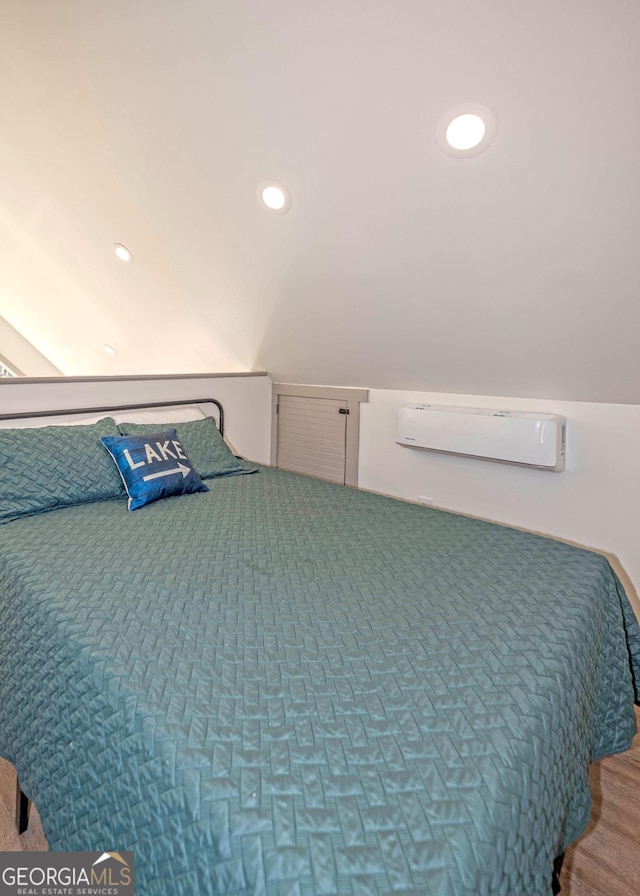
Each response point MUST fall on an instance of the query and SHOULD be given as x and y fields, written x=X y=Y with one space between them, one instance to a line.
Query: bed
x=281 y=686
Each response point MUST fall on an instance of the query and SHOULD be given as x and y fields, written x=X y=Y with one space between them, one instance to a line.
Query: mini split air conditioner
x=516 y=437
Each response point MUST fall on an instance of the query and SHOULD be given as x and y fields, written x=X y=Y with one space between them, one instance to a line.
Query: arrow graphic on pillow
x=179 y=469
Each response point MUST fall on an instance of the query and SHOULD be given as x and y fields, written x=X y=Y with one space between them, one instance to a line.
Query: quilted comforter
x=286 y=687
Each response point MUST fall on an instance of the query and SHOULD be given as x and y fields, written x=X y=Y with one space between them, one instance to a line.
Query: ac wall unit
x=517 y=437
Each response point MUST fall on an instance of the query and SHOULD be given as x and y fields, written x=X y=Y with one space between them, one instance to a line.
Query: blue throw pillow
x=153 y=466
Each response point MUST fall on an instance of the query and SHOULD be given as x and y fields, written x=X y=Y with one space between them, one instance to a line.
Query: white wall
x=20 y=354
x=246 y=400
x=594 y=502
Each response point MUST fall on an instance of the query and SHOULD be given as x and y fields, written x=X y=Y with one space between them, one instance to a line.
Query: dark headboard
x=121 y=407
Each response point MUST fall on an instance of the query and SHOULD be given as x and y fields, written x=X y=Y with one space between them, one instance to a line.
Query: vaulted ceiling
x=152 y=122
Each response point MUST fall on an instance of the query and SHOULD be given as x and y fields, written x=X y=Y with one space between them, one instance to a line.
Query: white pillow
x=178 y=414
x=55 y=420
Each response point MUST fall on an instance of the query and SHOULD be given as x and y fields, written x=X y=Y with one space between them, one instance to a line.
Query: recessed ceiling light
x=122 y=252
x=110 y=350
x=466 y=130
x=274 y=196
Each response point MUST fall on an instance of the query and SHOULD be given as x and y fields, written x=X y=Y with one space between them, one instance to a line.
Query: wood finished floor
x=604 y=862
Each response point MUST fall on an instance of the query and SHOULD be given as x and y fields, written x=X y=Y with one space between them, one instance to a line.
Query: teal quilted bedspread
x=289 y=688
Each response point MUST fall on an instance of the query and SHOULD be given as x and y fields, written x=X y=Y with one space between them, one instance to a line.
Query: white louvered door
x=312 y=436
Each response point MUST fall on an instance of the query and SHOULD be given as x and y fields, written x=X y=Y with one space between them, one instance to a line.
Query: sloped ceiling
x=152 y=122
